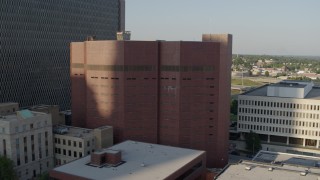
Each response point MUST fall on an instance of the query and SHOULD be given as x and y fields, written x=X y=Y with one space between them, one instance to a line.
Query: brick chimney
x=109 y=156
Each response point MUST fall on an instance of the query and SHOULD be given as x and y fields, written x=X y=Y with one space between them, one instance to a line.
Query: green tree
x=253 y=143
x=43 y=176
x=234 y=107
x=233 y=118
x=267 y=74
x=6 y=169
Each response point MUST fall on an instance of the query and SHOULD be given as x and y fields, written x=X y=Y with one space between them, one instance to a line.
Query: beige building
x=286 y=116
x=26 y=139
x=71 y=143
x=57 y=116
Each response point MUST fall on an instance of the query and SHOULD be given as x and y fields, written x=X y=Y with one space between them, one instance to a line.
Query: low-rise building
x=57 y=117
x=285 y=115
x=71 y=143
x=135 y=160
x=26 y=139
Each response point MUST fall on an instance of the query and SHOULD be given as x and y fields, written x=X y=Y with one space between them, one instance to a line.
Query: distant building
x=285 y=115
x=124 y=36
x=171 y=93
x=240 y=74
x=135 y=160
x=312 y=76
x=67 y=117
x=26 y=139
x=71 y=143
x=57 y=117
x=273 y=165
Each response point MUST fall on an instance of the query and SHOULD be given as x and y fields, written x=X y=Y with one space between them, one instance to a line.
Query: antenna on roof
x=91 y=38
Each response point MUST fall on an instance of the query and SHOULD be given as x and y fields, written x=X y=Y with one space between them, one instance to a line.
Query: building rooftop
x=8 y=104
x=286 y=158
x=19 y=115
x=272 y=165
x=249 y=170
x=288 y=84
x=140 y=161
x=72 y=131
x=42 y=106
x=263 y=90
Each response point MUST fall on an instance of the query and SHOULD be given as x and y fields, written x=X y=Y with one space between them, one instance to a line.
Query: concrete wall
x=103 y=137
x=303 y=118
x=241 y=145
x=8 y=108
x=54 y=110
x=286 y=92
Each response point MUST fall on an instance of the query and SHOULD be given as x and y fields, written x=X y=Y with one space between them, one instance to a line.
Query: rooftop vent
x=303 y=173
x=60 y=130
x=91 y=38
x=270 y=169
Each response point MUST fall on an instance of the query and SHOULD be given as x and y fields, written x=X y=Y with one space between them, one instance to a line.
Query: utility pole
x=242 y=77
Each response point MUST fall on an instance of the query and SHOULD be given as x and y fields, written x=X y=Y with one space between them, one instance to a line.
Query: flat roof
x=268 y=165
x=73 y=131
x=287 y=158
x=250 y=170
x=289 y=84
x=141 y=161
x=42 y=106
x=15 y=117
x=8 y=104
x=262 y=91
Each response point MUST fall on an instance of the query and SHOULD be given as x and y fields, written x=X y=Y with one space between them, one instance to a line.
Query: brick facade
x=171 y=93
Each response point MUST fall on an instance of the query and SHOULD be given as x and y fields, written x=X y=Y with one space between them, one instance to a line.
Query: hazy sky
x=278 y=27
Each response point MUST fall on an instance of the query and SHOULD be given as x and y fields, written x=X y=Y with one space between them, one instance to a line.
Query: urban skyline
x=162 y=98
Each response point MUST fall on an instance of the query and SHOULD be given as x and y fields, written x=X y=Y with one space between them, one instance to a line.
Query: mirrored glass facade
x=34 y=45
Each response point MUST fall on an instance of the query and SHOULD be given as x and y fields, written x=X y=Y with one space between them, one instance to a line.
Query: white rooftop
x=272 y=166
x=287 y=158
x=142 y=161
x=258 y=171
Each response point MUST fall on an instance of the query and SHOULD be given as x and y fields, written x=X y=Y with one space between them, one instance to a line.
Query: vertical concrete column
x=317 y=146
x=304 y=142
x=287 y=140
x=268 y=138
x=242 y=136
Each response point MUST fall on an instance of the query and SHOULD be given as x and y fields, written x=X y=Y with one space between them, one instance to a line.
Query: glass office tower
x=34 y=45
